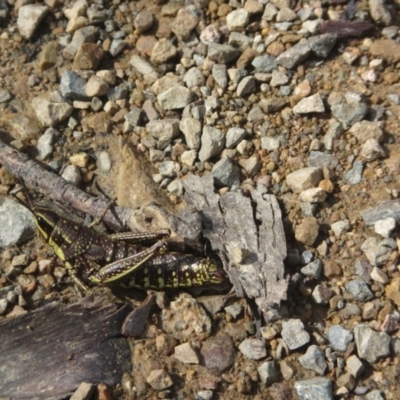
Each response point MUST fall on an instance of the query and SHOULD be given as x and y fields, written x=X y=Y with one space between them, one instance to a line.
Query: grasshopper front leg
x=141 y=236
x=121 y=268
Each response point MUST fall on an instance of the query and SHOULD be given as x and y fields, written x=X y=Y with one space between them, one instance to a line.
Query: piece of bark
x=150 y=217
x=346 y=28
x=47 y=353
x=136 y=320
x=235 y=224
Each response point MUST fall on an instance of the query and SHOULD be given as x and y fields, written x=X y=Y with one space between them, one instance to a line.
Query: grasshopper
x=96 y=258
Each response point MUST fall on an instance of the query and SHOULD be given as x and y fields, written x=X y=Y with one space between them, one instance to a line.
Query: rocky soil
x=302 y=97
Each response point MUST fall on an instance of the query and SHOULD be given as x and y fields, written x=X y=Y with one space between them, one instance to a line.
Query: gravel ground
x=302 y=97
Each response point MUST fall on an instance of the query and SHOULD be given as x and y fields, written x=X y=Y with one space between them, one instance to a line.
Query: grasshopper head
x=45 y=219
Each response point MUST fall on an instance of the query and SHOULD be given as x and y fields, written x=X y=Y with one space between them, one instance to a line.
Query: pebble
x=237 y=20
x=212 y=142
x=294 y=334
x=321 y=294
x=294 y=56
x=88 y=56
x=379 y=12
x=354 y=366
x=354 y=175
x=371 y=346
x=374 y=395
x=96 y=87
x=270 y=12
x=222 y=53
x=218 y=353
x=269 y=373
x=226 y=173
x=72 y=174
x=234 y=136
x=375 y=251
x=164 y=131
x=163 y=51
x=349 y=113
x=314 y=360
x=339 y=337
x=339 y=228
x=134 y=117
x=252 y=165
x=314 y=388
x=385 y=227
x=320 y=159
x=204 y=395
x=219 y=75
x=18 y=223
x=46 y=141
x=307 y=231
x=270 y=143
x=29 y=18
x=184 y=23
x=393 y=290
x=104 y=162
x=313 y=269
x=84 y=392
x=185 y=353
x=304 y=179
x=359 y=290
x=159 y=379
x=5 y=96
x=313 y=195
x=50 y=114
x=246 y=86
x=264 y=64
x=143 y=21
x=310 y=104
x=174 y=98
x=371 y=150
x=175 y=188
x=72 y=86
x=142 y=66
x=253 y=349
x=193 y=78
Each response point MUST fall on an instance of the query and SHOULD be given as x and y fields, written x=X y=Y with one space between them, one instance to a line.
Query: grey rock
x=226 y=173
x=269 y=373
x=371 y=345
x=321 y=294
x=303 y=179
x=251 y=165
x=349 y=113
x=339 y=228
x=117 y=45
x=354 y=175
x=234 y=310
x=264 y=64
x=306 y=257
x=45 y=143
x=186 y=354
x=164 y=131
x=272 y=105
x=5 y=96
x=334 y=132
x=339 y=337
x=104 y=162
x=354 y=366
x=314 y=388
x=143 y=21
x=204 y=395
x=270 y=143
x=174 y=98
x=222 y=53
x=379 y=12
x=29 y=18
x=374 y=395
x=255 y=115
x=234 y=136
x=313 y=269
x=83 y=35
x=219 y=75
x=240 y=40
x=294 y=56
x=134 y=116
x=17 y=222
x=310 y=104
x=141 y=65
x=294 y=334
x=376 y=251
x=169 y=169
x=212 y=142
x=117 y=93
x=319 y=159
x=163 y=51
x=237 y=20
x=72 y=174
x=270 y=12
x=253 y=349
x=184 y=23
x=193 y=77
x=50 y=114
x=385 y=227
x=176 y=188
x=278 y=78
x=96 y=14
x=72 y=86
x=314 y=360
x=359 y=290
x=246 y=86
x=191 y=128
x=321 y=45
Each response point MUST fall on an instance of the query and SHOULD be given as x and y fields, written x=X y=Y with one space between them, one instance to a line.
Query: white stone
x=237 y=20
x=385 y=227
x=50 y=114
x=310 y=104
x=339 y=228
x=313 y=195
x=379 y=276
x=29 y=17
x=96 y=87
x=303 y=179
x=371 y=150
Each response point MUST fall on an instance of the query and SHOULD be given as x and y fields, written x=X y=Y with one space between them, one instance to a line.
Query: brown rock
x=275 y=49
x=391 y=77
x=326 y=185
x=88 y=56
x=48 y=56
x=145 y=45
x=246 y=58
x=307 y=231
x=331 y=269
x=386 y=48
x=393 y=291
x=99 y=122
x=224 y=10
